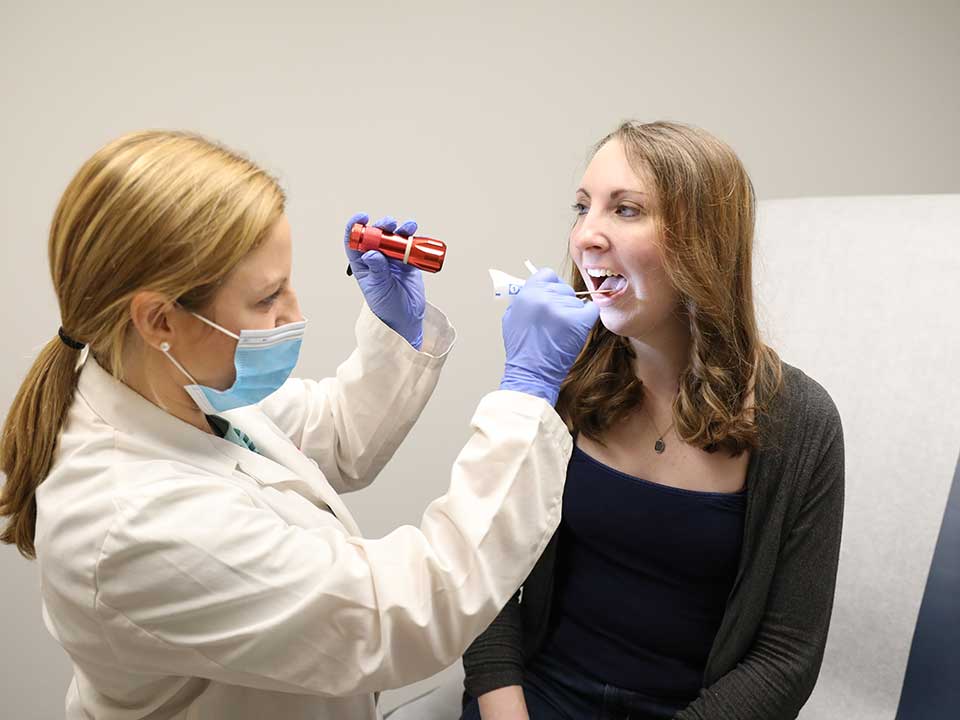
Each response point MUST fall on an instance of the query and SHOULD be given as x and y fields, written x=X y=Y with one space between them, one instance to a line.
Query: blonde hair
x=705 y=217
x=164 y=211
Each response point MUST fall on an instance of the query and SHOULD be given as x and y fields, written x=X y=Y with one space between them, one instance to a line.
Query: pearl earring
x=164 y=346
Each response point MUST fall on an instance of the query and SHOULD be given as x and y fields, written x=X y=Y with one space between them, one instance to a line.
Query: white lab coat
x=190 y=578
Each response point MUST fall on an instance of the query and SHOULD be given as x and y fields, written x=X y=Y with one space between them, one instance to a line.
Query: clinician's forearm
x=381 y=392
x=351 y=424
x=476 y=544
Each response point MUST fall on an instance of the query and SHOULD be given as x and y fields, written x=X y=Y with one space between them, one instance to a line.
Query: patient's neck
x=661 y=356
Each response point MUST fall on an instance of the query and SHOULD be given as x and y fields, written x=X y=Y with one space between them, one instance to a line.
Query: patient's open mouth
x=604 y=280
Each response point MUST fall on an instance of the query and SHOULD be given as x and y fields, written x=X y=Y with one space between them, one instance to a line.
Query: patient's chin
x=628 y=325
x=615 y=322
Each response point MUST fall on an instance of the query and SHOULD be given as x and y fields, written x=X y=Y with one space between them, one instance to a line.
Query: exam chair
x=863 y=294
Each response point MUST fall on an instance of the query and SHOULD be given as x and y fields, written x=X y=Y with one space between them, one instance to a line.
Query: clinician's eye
x=579 y=208
x=270 y=299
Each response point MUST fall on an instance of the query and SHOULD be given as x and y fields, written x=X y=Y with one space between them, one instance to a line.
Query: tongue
x=612 y=283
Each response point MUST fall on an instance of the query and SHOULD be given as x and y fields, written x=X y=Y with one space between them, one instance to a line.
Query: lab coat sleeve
x=351 y=424
x=196 y=579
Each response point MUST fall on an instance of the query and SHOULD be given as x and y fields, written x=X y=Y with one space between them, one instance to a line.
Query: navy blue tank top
x=643 y=575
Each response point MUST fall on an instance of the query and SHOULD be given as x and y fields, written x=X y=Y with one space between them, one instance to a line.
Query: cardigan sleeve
x=495 y=659
x=778 y=673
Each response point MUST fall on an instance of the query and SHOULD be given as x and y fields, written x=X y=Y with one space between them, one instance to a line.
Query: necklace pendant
x=659 y=446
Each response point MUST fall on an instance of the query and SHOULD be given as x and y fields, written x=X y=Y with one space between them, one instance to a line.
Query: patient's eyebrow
x=619 y=192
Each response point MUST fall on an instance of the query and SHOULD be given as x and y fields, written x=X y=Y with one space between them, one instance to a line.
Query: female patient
x=694 y=569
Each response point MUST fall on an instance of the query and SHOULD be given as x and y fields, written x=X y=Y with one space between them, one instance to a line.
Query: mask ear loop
x=165 y=346
x=165 y=349
x=212 y=324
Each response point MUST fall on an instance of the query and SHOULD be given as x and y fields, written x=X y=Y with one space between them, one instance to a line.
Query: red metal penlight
x=422 y=252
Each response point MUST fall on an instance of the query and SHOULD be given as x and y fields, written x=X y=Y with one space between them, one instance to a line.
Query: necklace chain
x=659 y=446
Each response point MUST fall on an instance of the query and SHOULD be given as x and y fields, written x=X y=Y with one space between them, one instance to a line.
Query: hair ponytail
x=30 y=435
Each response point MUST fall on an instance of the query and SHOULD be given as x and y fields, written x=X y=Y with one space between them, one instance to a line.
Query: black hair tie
x=69 y=341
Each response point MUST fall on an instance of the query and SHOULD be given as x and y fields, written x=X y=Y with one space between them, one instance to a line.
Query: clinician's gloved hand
x=544 y=330
x=393 y=291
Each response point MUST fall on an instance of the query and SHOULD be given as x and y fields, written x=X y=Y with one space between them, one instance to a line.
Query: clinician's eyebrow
x=272 y=287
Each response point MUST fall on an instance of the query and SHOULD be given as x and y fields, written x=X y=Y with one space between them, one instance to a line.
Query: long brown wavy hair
x=166 y=211
x=705 y=220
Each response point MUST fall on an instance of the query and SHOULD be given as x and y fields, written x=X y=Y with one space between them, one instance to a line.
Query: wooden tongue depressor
x=594 y=292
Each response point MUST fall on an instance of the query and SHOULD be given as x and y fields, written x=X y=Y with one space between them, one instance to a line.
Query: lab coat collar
x=278 y=463
x=128 y=412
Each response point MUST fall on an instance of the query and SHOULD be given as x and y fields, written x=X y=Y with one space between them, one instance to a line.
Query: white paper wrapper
x=505 y=285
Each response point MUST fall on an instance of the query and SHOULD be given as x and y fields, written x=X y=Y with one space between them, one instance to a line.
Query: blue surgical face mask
x=263 y=360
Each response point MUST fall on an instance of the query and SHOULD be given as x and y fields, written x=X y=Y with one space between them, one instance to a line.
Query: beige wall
x=476 y=122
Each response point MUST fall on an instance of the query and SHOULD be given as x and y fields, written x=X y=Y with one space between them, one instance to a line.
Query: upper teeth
x=597 y=272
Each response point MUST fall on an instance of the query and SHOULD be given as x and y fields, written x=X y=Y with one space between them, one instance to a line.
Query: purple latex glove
x=544 y=329
x=393 y=291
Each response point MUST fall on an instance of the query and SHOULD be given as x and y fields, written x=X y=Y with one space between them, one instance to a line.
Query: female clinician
x=181 y=494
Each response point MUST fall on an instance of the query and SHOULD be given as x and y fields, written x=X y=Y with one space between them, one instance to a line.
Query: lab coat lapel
x=279 y=462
